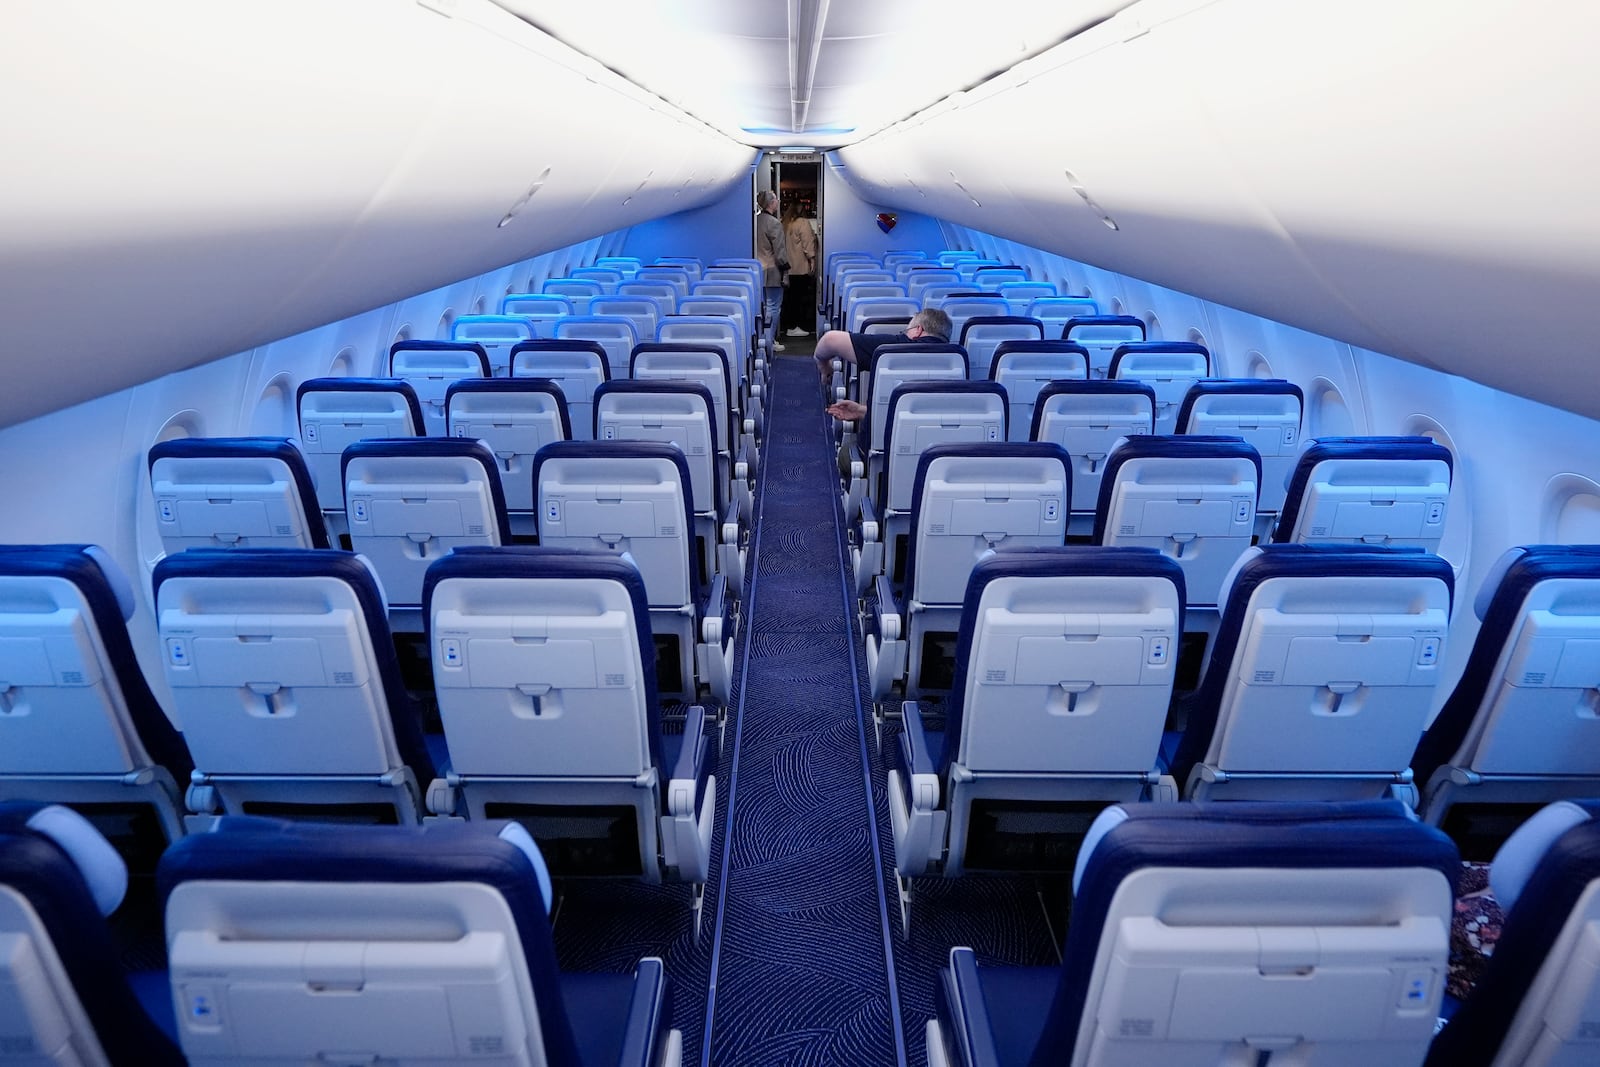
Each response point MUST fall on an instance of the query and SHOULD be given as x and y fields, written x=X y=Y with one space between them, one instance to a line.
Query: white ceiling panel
x=727 y=61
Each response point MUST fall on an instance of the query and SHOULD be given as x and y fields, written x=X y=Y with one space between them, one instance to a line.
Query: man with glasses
x=929 y=324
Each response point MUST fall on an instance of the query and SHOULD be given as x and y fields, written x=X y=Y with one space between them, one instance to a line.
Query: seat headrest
x=102 y=868
x=1524 y=849
x=1491 y=581
x=516 y=834
x=1108 y=819
x=116 y=580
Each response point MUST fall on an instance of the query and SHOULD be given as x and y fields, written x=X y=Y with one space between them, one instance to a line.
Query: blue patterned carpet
x=800 y=960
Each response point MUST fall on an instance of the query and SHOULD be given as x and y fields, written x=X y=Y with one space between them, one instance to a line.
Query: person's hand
x=847 y=410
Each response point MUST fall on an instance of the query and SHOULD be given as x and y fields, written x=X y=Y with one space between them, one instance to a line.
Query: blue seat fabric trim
x=1538 y=563
x=1326 y=448
x=1235 y=387
x=442 y=447
x=1476 y=1032
x=1156 y=347
x=363 y=385
x=161 y=740
x=999 y=320
x=1100 y=320
x=1363 y=834
x=269 y=563
x=1046 y=345
x=1285 y=561
x=545 y=344
x=444 y=346
x=982 y=449
x=629 y=450
x=1067 y=561
x=510 y=385
x=244 y=848
x=37 y=868
x=1089 y=387
x=278 y=448
x=529 y=561
x=1166 y=446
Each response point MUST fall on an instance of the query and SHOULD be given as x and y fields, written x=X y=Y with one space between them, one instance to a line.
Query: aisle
x=801 y=971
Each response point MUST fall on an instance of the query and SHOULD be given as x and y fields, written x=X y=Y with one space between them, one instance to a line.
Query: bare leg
x=835 y=344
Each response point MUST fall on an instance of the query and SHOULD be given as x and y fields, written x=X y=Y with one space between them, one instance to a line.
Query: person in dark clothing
x=929 y=324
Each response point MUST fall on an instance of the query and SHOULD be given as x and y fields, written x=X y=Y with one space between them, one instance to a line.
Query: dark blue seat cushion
x=37 y=868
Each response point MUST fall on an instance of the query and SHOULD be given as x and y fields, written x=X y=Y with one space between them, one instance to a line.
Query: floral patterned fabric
x=1473 y=931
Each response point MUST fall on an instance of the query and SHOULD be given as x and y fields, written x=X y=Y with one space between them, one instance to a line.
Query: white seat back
x=577 y=372
x=513 y=423
x=1088 y=423
x=430 y=372
x=617 y=334
x=1022 y=371
x=336 y=413
x=1169 y=373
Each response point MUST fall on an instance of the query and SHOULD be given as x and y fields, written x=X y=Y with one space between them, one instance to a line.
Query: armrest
x=969 y=1016
x=919 y=761
x=644 y=1030
x=886 y=618
x=730 y=524
x=716 y=618
x=867 y=526
x=692 y=769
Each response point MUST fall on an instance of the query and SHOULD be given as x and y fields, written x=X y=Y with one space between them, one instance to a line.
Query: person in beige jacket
x=773 y=253
x=800 y=302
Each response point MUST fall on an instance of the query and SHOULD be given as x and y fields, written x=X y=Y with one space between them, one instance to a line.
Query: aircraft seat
x=1088 y=417
x=1056 y=311
x=617 y=334
x=285 y=678
x=234 y=492
x=969 y=501
x=1063 y=671
x=1266 y=412
x=1192 y=498
x=1170 y=367
x=430 y=367
x=578 y=290
x=1024 y=367
x=1392 y=491
x=1519 y=729
x=1102 y=335
x=1211 y=934
x=411 y=500
x=541 y=309
x=429 y=946
x=78 y=722
x=980 y=335
x=334 y=413
x=544 y=668
x=1535 y=1003
x=633 y=498
x=577 y=367
x=64 y=995
x=514 y=417
x=496 y=333
x=1321 y=676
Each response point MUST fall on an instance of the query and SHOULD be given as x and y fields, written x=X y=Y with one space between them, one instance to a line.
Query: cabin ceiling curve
x=191 y=179
x=810 y=72
x=1410 y=178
